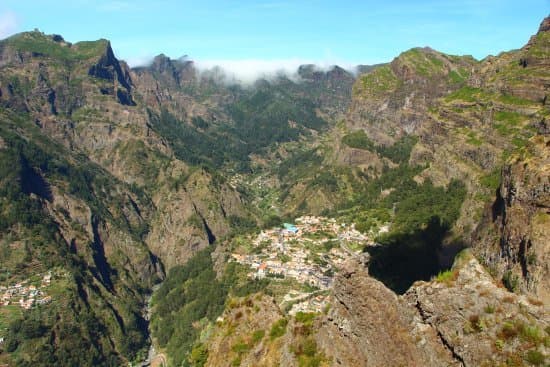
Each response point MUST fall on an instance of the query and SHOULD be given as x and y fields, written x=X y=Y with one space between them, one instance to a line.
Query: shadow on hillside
x=33 y=182
x=405 y=258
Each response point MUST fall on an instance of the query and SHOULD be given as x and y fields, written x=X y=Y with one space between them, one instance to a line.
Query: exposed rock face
x=109 y=68
x=471 y=316
x=87 y=104
x=191 y=218
x=458 y=322
x=369 y=325
x=394 y=98
x=513 y=236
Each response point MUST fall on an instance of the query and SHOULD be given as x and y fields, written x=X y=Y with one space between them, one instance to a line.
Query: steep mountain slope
x=65 y=218
x=101 y=120
x=512 y=238
x=105 y=187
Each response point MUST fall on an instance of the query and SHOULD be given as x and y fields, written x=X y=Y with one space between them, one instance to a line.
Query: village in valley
x=310 y=251
x=26 y=295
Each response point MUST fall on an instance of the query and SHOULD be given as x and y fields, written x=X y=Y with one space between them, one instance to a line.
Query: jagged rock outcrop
x=461 y=319
x=481 y=323
x=109 y=68
x=369 y=325
x=512 y=236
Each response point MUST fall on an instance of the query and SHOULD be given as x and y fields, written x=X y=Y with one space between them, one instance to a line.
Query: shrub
x=510 y=281
x=508 y=331
x=535 y=358
x=446 y=276
x=257 y=336
x=278 y=329
x=476 y=323
x=240 y=347
x=199 y=355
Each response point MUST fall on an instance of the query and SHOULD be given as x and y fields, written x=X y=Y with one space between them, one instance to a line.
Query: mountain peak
x=544 y=25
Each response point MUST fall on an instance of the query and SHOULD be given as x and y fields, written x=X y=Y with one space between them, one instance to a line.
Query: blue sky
x=268 y=32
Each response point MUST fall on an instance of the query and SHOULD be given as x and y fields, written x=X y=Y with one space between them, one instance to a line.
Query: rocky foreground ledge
x=461 y=318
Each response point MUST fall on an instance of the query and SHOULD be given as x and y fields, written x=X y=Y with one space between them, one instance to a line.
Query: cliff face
x=369 y=325
x=464 y=319
x=84 y=98
x=512 y=238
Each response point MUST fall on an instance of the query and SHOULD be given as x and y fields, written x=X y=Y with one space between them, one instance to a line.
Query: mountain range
x=125 y=193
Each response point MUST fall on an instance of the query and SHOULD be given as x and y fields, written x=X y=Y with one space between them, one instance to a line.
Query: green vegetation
x=510 y=281
x=446 y=276
x=83 y=303
x=421 y=215
x=491 y=180
x=210 y=149
x=377 y=82
x=472 y=137
x=305 y=347
x=278 y=329
x=399 y=152
x=242 y=224
x=535 y=357
x=273 y=112
x=241 y=347
x=299 y=164
x=261 y=118
x=198 y=356
x=359 y=140
x=467 y=94
x=257 y=336
x=42 y=45
x=425 y=63
x=189 y=294
x=457 y=77
x=513 y=100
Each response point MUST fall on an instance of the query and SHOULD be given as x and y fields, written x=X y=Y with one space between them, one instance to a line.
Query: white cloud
x=141 y=60
x=8 y=24
x=247 y=71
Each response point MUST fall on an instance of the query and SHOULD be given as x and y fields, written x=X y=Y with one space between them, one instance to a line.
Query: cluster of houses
x=26 y=295
x=302 y=251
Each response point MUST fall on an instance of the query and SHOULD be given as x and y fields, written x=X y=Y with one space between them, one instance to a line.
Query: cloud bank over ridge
x=247 y=71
